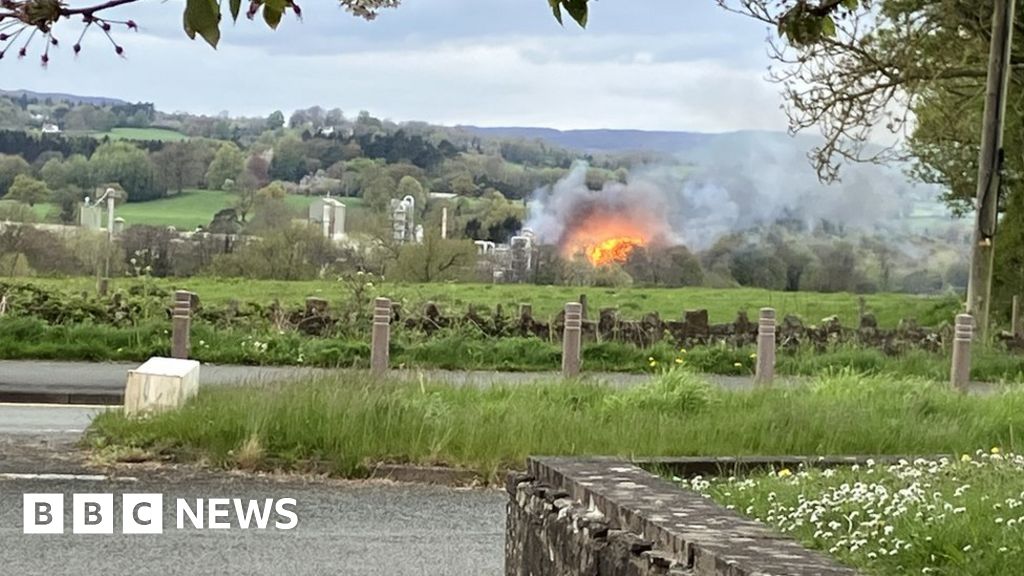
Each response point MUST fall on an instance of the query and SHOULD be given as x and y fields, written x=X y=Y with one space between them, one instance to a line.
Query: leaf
x=828 y=27
x=236 y=7
x=556 y=7
x=851 y=4
x=578 y=10
x=203 y=17
x=272 y=15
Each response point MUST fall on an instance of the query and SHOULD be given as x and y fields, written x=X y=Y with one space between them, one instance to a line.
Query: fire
x=612 y=250
x=604 y=239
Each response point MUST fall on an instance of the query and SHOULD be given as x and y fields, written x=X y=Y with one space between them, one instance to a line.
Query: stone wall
x=693 y=329
x=583 y=517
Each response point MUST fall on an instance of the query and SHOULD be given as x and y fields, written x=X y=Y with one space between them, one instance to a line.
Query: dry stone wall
x=589 y=517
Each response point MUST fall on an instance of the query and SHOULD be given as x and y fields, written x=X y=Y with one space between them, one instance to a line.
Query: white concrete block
x=160 y=384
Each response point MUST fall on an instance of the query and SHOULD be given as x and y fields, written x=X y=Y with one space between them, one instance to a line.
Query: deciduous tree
x=28 y=190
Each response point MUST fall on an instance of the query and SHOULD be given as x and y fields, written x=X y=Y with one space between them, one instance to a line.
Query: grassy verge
x=348 y=424
x=961 y=517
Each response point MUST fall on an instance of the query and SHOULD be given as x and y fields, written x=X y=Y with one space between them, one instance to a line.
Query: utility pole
x=979 y=290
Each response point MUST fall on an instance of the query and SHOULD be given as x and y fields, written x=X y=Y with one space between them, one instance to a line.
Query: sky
x=640 y=64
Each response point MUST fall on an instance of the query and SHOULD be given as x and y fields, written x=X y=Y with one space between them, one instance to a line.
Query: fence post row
x=571 y=340
x=181 y=325
x=765 y=369
x=381 y=343
x=960 y=371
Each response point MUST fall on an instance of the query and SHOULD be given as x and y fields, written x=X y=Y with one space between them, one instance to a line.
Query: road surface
x=32 y=419
x=91 y=383
x=103 y=383
x=345 y=528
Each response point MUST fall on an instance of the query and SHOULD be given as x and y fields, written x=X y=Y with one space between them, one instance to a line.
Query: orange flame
x=612 y=250
x=604 y=239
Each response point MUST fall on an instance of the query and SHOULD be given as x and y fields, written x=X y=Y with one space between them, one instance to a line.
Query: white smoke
x=739 y=182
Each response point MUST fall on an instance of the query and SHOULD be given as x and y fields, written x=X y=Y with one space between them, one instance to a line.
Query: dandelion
x=965 y=458
x=753 y=355
x=995 y=450
x=738 y=365
x=679 y=360
x=653 y=363
x=785 y=473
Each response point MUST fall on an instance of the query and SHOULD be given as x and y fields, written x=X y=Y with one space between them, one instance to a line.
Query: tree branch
x=89 y=11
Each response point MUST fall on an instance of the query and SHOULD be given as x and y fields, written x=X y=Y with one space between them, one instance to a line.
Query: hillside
x=61 y=97
x=601 y=140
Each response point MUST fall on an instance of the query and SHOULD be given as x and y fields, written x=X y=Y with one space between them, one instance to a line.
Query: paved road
x=22 y=419
x=109 y=378
x=343 y=529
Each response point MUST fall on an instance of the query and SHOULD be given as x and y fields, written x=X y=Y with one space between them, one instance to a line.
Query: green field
x=194 y=207
x=189 y=209
x=722 y=304
x=160 y=134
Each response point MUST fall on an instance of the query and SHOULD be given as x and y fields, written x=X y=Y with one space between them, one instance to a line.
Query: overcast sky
x=643 y=64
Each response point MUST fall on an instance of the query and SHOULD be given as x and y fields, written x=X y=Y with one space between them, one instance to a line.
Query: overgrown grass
x=349 y=423
x=956 y=516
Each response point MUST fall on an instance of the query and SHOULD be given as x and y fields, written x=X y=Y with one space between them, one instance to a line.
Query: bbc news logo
x=144 y=514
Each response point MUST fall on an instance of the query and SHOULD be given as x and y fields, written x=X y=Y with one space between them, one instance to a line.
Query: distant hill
x=60 y=97
x=602 y=140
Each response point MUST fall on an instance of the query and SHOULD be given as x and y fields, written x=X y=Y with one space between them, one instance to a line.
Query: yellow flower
x=650 y=358
x=682 y=350
x=653 y=363
x=679 y=360
x=965 y=458
x=996 y=450
x=785 y=473
x=753 y=355
x=738 y=365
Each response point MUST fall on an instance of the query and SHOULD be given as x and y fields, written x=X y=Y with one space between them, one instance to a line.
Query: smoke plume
x=738 y=182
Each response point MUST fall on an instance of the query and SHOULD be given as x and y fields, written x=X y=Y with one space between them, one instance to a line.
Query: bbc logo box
x=93 y=514
x=144 y=514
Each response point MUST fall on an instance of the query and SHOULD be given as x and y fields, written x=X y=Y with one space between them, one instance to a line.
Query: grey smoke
x=736 y=183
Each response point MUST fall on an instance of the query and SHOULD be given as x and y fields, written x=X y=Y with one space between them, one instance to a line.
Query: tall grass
x=348 y=424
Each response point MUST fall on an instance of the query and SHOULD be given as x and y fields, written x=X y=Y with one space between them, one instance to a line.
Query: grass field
x=160 y=134
x=189 y=209
x=722 y=304
x=194 y=207
x=352 y=422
